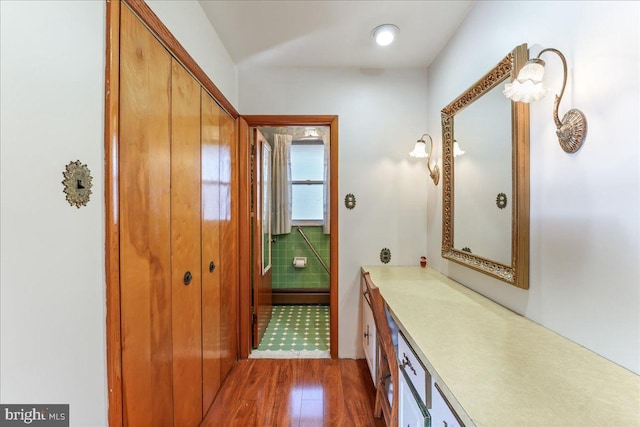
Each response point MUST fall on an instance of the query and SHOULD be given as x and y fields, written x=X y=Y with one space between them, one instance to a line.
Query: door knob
x=212 y=267
x=187 y=278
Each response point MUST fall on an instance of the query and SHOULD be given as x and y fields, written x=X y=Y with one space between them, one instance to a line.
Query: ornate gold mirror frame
x=517 y=273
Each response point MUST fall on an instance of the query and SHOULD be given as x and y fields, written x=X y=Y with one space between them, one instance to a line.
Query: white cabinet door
x=418 y=375
x=442 y=415
x=369 y=339
x=411 y=412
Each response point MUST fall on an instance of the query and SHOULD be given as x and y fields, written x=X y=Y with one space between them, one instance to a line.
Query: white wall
x=52 y=304
x=381 y=115
x=188 y=23
x=52 y=279
x=585 y=214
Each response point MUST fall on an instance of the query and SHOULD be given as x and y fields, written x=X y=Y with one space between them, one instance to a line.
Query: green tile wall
x=288 y=246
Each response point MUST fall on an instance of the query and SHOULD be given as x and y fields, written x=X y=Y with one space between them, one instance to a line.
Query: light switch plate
x=77 y=184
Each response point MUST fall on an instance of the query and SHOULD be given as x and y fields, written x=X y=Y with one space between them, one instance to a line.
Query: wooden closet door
x=185 y=248
x=228 y=243
x=210 y=250
x=145 y=251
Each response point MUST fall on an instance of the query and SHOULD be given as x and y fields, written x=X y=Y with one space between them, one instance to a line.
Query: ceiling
x=334 y=33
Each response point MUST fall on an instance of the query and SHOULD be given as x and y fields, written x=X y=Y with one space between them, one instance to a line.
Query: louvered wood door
x=145 y=228
x=212 y=264
x=185 y=248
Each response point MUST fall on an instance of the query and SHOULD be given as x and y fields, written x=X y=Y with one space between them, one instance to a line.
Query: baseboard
x=300 y=296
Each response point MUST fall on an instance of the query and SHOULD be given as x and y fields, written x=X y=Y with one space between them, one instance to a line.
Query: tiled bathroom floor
x=296 y=331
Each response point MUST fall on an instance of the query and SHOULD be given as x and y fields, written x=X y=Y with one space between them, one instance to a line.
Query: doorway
x=289 y=292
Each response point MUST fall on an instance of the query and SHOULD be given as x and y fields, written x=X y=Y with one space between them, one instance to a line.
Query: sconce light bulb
x=528 y=85
x=533 y=70
x=419 y=150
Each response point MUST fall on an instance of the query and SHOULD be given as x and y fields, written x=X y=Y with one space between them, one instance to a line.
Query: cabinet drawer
x=412 y=412
x=442 y=413
x=417 y=374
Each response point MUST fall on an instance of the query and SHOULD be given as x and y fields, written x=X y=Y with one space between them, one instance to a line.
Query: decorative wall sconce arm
x=572 y=129
x=420 y=151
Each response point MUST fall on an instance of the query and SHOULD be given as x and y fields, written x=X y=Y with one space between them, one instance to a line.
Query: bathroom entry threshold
x=247 y=337
x=296 y=332
x=290 y=354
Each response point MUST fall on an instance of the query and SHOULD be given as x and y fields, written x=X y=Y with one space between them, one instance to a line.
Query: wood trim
x=333 y=244
x=521 y=164
x=239 y=221
x=291 y=120
x=244 y=245
x=301 y=290
x=163 y=34
x=245 y=220
x=301 y=299
x=112 y=226
x=300 y=296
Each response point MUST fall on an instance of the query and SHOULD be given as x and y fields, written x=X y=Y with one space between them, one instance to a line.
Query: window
x=307 y=182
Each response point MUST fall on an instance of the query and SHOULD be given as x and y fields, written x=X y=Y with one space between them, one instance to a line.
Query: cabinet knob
x=212 y=267
x=187 y=278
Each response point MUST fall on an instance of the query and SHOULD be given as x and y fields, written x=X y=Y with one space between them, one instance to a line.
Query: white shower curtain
x=326 y=204
x=281 y=176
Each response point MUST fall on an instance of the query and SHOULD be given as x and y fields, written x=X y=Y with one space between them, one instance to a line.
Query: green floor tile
x=297 y=328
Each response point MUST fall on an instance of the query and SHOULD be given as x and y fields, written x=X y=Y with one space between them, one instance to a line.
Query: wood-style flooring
x=296 y=393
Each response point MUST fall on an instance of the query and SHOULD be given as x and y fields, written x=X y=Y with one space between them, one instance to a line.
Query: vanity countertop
x=498 y=368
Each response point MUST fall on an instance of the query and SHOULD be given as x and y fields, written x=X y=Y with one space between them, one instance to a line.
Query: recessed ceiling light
x=384 y=34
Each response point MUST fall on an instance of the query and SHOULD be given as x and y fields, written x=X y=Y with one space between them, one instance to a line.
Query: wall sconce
x=527 y=87
x=420 y=151
x=457 y=151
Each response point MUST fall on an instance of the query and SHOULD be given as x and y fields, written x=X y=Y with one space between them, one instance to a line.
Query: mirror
x=484 y=171
x=266 y=207
x=485 y=219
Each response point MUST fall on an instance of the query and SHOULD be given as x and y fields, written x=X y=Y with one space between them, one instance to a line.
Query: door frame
x=111 y=174
x=245 y=257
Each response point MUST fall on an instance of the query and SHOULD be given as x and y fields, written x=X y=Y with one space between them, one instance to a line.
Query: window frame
x=307 y=222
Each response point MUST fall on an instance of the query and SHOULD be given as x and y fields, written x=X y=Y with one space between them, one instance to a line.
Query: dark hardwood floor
x=296 y=393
